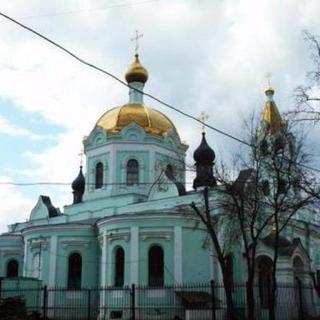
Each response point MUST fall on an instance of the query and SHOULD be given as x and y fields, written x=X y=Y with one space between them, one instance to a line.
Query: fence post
x=300 y=299
x=269 y=302
x=133 y=301
x=44 y=302
x=89 y=304
x=1 y=278
x=213 y=300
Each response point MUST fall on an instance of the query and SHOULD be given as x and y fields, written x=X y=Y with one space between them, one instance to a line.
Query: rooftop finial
x=80 y=154
x=269 y=91
x=268 y=78
x=203 y=118
x=136 y=39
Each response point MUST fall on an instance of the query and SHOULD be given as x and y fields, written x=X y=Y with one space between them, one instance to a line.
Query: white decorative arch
x=133 y=132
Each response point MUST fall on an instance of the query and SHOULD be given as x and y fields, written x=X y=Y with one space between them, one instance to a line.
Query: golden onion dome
x=136 y=72
x=271 y=114
x=269 y=91
x=151 y=120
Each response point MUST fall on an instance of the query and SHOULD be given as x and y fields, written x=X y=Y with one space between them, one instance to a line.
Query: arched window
x=12 y=268
x=156 y=266
x=170 y=172
x=119 y=267
x=132 y=172
x=74 y=271
x=99 y=176
x=298 y=274
x=298 y=268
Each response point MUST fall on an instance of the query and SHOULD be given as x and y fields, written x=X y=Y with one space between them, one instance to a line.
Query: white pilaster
x=53 y=261
x=152 y=166
x=178 y=254
x=103 y=280
x=25 y=260
x=104 y=250
x=52 y=272
x=212 y=266
x=113 y=166
x=134 y=276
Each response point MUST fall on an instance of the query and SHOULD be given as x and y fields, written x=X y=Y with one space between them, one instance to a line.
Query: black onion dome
x=204 y=153
x=79 y=183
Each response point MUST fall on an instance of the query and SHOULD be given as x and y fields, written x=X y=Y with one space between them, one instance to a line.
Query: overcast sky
x=201 y=55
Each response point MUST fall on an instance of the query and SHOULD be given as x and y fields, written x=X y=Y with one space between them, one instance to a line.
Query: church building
x=127 y=223
x=131 y=221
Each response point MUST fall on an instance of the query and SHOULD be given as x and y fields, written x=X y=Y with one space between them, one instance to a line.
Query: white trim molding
x=134 y=257
x=74 y=242
x=177 y=254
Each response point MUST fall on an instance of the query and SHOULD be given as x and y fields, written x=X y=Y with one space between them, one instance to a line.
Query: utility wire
x=25 y=184
x=156 y=182
x=91 y=65
x=56 y=14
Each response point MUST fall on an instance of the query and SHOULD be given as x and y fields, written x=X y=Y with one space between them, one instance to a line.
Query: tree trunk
x=272 y=298
x=250 y=298
x=272 y=285
x=250 y=257
x=231 y=315
x=228 y=286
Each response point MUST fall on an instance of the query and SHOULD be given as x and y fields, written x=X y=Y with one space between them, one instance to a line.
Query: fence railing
x=194 y=301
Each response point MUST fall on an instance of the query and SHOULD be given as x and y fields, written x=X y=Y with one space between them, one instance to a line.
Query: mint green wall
x=196 y=262
x=89 y=277
x=196 y=258
x=239 y=274
x=83 y=241
x=11 y=247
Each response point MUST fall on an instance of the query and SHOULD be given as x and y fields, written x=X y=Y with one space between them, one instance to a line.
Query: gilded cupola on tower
x=271 y=115
x=136 y=72
x=152 y=121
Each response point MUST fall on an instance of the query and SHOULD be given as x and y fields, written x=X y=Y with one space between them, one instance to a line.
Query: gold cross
x=80 y=154
x=203 y=118
x=268 y=78
x=136 y=39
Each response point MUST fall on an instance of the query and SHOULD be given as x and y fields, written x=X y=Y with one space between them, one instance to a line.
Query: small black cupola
x=78 y=186
x=204 y=157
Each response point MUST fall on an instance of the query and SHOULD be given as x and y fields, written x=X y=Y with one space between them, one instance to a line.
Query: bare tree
x=307 y=96
x=213 y=223
x=204 y=157
x=274 y=185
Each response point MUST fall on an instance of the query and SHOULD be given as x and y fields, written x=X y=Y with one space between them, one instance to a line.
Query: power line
x=26 y=184
x=91 y=65
x=156 y=182
x=56 y=14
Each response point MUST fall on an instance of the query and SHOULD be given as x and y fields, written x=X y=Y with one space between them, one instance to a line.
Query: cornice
x=11 y=252
x=150 y=216
x=67 y=226
x=74 y=242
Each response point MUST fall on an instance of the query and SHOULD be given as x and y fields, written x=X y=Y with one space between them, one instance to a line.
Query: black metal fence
x=187 y=302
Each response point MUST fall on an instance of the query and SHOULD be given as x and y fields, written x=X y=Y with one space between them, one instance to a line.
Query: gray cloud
x=201 y=55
